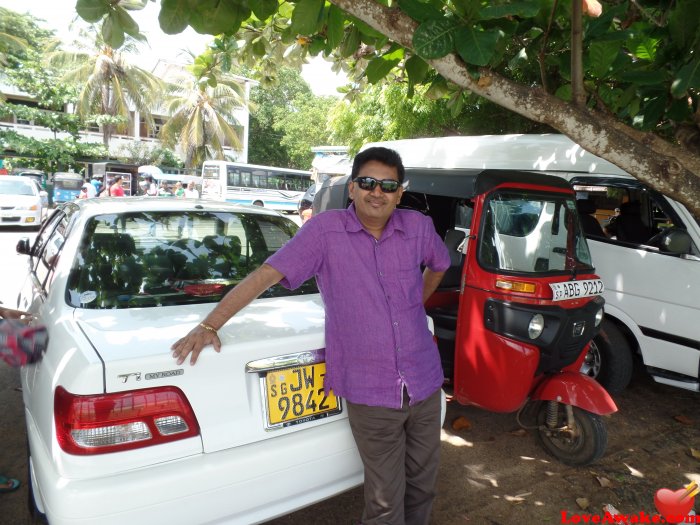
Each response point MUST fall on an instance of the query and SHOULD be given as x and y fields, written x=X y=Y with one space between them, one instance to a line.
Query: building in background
x=137 y=131
x=329 y=161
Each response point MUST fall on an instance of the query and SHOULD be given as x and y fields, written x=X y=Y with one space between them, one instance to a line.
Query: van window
x=629 y=213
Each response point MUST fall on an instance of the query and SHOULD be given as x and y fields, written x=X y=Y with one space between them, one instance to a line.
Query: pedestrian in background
x=380 y=353
x=191 y=191
x=116 y=190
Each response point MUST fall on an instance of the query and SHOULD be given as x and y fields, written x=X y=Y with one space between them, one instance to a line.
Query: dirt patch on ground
x=494 y=474
x=490 y=473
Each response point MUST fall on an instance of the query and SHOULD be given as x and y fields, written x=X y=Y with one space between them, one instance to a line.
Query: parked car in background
x=22 y=202
x=39 y=176
x=118 y=432
x=307 y=200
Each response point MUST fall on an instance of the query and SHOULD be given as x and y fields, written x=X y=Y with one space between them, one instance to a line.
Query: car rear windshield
x=147 y=259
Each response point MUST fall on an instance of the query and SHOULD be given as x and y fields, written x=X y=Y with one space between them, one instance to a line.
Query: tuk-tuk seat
x=453 y=275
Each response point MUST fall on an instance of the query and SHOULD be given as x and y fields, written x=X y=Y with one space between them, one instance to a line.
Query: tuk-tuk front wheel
x=572 y=435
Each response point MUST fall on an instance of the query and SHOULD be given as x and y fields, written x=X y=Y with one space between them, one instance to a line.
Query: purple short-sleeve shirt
x=377 y=336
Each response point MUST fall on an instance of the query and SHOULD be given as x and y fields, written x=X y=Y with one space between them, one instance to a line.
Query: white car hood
x=19 y=200
x=134 y=345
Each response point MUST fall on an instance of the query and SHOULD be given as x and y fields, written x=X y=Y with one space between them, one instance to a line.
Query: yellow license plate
x=296 y=395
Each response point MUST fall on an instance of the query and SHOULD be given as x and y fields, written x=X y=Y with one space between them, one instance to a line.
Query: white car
x=22 y=202
x=118 y=432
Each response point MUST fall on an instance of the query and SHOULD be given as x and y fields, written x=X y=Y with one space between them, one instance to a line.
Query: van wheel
x=259 y=203
x=609 y=359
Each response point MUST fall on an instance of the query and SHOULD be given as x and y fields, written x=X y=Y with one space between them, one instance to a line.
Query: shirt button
x=396 y=323
x=398 y=349
x=381 y=274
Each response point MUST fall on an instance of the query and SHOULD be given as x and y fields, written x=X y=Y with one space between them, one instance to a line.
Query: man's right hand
x=193 y=344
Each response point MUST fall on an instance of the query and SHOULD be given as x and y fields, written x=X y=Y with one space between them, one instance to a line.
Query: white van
x=645 y=247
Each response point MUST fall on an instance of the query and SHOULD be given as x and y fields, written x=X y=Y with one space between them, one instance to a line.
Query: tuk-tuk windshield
x=529 y=232
x=68 y=183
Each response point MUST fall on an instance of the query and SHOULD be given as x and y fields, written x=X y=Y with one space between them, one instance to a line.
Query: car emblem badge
x=579 y=328
x=305 y=359
x=126 y=377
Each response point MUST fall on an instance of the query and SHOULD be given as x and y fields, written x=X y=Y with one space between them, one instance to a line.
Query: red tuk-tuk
x=519 y=305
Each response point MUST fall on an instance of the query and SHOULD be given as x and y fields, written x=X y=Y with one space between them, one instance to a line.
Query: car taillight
x=98 y=424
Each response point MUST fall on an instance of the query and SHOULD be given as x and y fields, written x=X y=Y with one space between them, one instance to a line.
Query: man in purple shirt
x=380 y=355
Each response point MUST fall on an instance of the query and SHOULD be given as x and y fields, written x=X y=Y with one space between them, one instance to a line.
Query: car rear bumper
x=248 y=484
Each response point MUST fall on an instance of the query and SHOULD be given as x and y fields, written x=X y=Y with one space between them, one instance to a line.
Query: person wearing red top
x=380 y=354
x=116 y=190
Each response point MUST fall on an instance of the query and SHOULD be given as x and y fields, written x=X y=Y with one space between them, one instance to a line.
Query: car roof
x=103 y=205
x=546 y=152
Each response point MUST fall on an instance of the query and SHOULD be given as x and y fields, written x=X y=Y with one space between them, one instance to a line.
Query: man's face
x=375 y=205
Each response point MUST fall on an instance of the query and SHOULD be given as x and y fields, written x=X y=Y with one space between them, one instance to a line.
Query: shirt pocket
x=411 y=285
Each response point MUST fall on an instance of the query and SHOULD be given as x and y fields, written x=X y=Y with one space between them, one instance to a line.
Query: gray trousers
x=400 y=450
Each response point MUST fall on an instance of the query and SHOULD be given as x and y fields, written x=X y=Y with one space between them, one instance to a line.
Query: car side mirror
x=24 y=247
x=674 y=240
x=43 y=193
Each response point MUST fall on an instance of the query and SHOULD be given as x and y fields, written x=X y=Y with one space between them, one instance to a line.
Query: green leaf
x=651 y=113
x=366 y=29
x=476 y=47
x=174 y=16
x=602 y=55
x=258 y=47
x=127 y=23
x=112 y=33
x=378 y=68
x=417 y=69
x=263 y=9
x=434 y=39
x=688 y=77
x=213 y=17
x=564 y=92
x=92 y=10
x=644 y=78
x=455 y=104
x=420 y=11
x=646 y=50
x=334 y=26
x=523 y=8
x=306 y=17
x=468 y=9
x=349 y=44
x=133 y=5
x=683 y=23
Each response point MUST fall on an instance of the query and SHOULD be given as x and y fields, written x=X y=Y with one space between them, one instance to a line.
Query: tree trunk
x=657 y=163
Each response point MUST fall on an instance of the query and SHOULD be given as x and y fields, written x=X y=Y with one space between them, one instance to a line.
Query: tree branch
x=578 y=92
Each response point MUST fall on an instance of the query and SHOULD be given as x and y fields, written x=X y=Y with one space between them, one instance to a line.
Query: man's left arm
x=431 y=280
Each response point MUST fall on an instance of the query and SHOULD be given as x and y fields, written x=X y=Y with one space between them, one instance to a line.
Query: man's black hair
x=384 y=155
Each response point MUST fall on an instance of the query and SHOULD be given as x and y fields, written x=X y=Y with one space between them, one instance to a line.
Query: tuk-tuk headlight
x=536 y=326
x=598 y=317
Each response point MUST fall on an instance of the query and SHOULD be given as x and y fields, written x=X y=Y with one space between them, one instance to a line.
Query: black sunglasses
x=369 y=183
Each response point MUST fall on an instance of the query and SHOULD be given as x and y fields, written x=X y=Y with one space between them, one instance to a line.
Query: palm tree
x=109 y=84
x=202 y=108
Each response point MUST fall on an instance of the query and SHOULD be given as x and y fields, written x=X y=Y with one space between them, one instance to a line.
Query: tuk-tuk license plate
x=296 y=395
x=576 y=289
